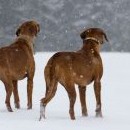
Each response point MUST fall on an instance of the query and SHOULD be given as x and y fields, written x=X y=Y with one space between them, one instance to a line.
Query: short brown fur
x=17 y=62
x=81 y=68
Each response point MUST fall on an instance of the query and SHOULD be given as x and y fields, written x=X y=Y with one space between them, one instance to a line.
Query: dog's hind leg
x=97 y=90
x=82 y=94
x=29 y=92
x=30 y=76
x=9 y=89
x=49 y=95
x=16 y=95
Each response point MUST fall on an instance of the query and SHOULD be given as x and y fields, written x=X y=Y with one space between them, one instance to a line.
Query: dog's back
x=14 y=59
x=76 y=67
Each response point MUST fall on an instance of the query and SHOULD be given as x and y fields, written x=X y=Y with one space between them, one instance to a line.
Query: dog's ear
x=83 y=35
x=38 y=28
x=105 y=36
x=18 y=31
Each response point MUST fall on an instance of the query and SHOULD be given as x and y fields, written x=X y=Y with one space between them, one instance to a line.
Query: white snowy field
x=115 y=101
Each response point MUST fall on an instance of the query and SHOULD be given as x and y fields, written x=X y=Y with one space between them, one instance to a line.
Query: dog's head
x=30 y=28
x=94 y=33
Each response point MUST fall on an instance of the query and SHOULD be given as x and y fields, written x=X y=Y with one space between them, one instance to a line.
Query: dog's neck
x=93 y=39
x=91 y=45
x=30 y=40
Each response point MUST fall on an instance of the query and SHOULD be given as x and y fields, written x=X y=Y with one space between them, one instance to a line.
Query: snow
x=54 y=4
x=115 y=101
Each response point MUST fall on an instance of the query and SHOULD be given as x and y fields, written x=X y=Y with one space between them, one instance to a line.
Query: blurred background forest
x=62 y=21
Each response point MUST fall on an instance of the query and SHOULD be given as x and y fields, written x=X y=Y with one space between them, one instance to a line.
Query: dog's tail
x=49 y=73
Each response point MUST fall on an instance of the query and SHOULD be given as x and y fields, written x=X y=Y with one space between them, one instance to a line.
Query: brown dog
x=81 y=68
x=17 y=62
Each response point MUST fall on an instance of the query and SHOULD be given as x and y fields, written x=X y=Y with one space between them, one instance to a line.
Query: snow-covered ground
x=115 y=101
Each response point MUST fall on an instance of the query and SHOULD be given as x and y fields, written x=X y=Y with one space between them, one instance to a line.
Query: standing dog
x=17 y=62
x=81 y=68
